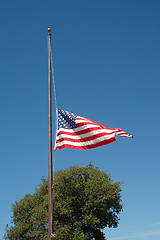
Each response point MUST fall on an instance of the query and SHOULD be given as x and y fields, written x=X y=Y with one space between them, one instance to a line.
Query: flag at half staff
x=82 y=133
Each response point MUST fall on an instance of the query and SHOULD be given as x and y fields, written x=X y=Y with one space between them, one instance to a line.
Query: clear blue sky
x=107 y=68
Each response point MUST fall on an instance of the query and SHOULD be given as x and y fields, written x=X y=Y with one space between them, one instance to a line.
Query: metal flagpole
x=50 y=174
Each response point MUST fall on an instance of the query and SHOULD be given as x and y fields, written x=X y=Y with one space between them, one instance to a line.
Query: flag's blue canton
x=66 y=119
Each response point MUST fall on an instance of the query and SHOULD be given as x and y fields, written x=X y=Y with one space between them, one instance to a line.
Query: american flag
x=82 y=133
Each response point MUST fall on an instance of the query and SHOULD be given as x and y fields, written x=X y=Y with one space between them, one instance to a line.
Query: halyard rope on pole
x=56 y=118
x=54 y=86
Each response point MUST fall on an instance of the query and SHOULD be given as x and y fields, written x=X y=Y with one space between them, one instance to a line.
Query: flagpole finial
x=49 y=30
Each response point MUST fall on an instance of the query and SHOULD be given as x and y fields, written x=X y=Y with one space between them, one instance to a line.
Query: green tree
x=85 y=201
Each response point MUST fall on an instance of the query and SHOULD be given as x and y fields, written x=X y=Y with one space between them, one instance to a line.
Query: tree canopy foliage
x=85 y=201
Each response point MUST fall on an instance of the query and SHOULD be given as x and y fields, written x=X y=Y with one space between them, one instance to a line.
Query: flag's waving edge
x=82 y=133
